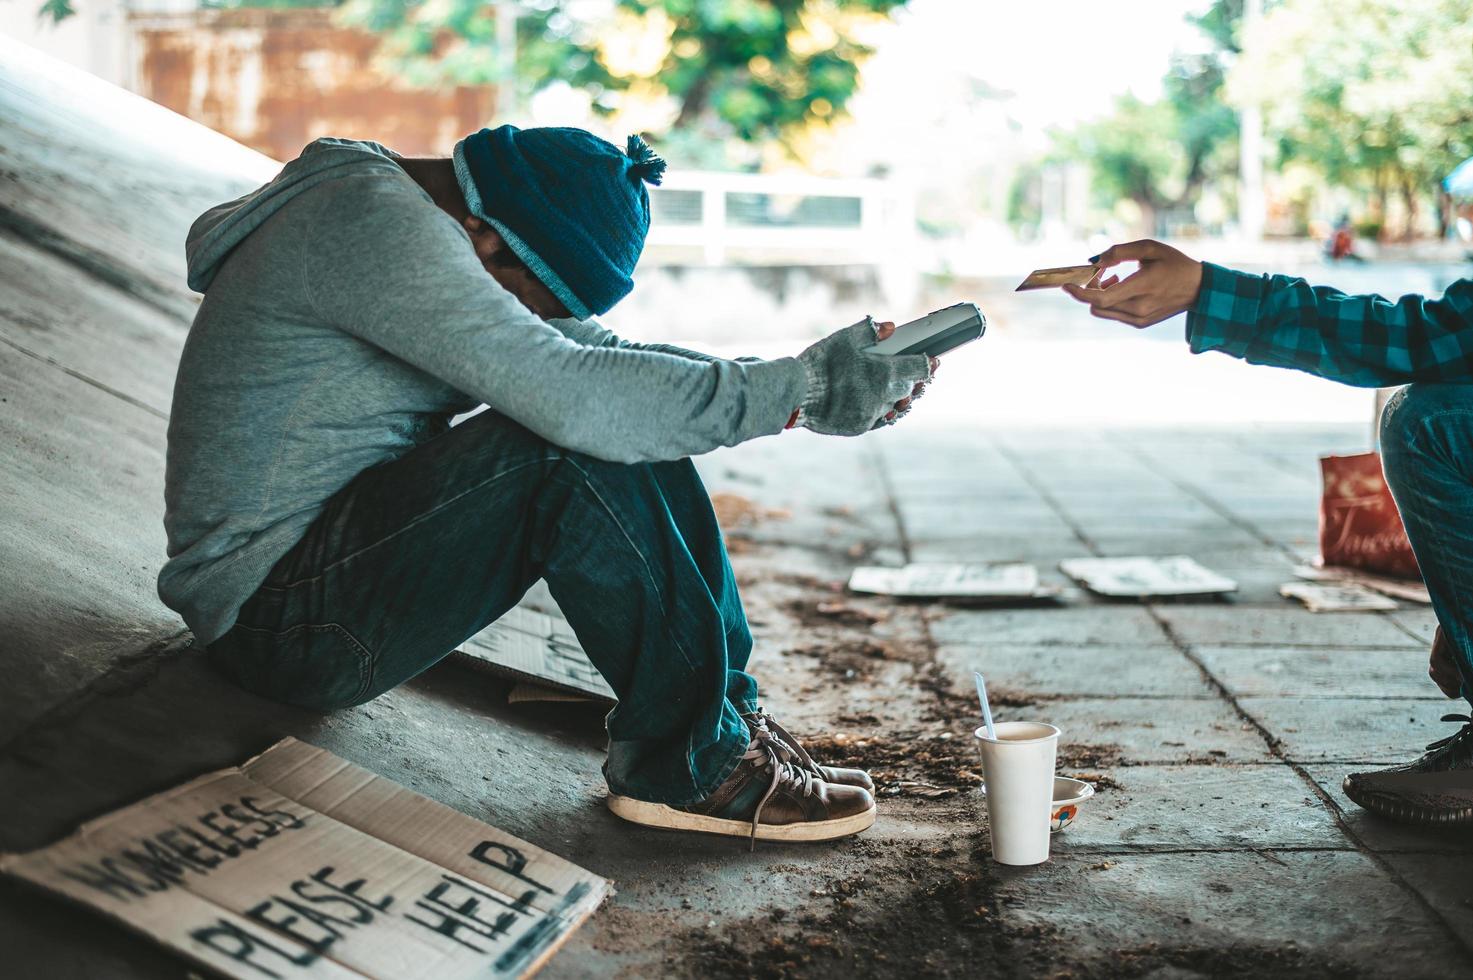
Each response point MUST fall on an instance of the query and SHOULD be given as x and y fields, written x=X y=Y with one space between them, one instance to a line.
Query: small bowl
x=1069 y=794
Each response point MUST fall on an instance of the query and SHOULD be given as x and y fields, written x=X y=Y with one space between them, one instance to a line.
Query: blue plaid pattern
x=1368 y=341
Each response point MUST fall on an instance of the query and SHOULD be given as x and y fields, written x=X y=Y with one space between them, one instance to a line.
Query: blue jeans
x=1427 y=452
x=417 y=554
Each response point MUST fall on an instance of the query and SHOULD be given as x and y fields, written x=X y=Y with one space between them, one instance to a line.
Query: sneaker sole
x=668 y=818
x=1395 y=808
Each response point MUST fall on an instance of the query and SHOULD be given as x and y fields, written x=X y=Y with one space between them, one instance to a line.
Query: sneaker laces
x=1467 y=721
x=785 y=743
x=766 y=750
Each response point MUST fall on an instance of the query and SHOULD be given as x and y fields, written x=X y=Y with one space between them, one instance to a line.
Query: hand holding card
x=1070 y=275
x=1166 y=283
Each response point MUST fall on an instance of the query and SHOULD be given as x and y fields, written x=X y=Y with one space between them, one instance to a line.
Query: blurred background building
x=273 y=78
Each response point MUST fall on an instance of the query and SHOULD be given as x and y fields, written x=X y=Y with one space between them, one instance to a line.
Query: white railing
x=745 y=219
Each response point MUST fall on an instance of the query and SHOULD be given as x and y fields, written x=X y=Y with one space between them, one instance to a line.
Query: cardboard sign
x=300 y=864
x=525 y=692
x=990 y=580
x=1141 y=578
x=1321 y=597
x=537 y=647
x=1397 y=588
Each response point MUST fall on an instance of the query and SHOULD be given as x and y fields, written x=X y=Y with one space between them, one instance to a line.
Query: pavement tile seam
x=1093 y=851
x=1253 y=527
x=1214 y=762
x=85 y=379
x=1096 y=696
x=1134 y=696
x=1165 y=644
x=1224 y=693
x=1218 y=507
x=1047 y=496
x=1273 y=459
x=1389 y=616
x=1272 y=742
x=1386 y=837
x=1277 y=645
x=1276 y=748
x=1355 y=842
x=875 y=461
x=1318 y=761
x=807 y=546
x=129 y=673
x=1375 y=698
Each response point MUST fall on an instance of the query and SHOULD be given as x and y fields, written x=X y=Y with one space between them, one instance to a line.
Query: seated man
x=1426 y=432
x=331 y=535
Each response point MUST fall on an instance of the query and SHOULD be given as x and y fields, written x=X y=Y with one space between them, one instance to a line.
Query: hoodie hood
x=215 y=233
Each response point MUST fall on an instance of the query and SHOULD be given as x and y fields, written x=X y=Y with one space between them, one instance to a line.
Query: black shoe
x=1436 y=790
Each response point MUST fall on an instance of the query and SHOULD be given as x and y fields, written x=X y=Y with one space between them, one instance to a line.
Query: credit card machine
x=935 y=333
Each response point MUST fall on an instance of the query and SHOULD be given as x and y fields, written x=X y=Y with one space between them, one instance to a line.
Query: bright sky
x=1065 y=59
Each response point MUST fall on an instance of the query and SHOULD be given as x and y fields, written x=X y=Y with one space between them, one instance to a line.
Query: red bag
x=1360 y=526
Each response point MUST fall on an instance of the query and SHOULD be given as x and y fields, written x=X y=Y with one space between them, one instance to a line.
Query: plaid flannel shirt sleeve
x=1369 y=341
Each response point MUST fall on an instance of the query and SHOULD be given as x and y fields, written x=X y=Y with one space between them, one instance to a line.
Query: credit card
x=1079 y=275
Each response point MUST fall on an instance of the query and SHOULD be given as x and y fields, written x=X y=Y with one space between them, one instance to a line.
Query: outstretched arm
x=1283 y=321
x=591 y=333
x=399 y=276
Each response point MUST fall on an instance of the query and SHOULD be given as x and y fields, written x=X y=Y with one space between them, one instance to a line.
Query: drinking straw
x=982 y=699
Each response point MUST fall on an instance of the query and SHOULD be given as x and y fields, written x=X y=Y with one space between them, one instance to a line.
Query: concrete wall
x=93 y=310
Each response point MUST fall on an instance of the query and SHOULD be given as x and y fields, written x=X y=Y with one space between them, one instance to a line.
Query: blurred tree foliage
x=753 y=69
x=1376 y=95
x=56 y=11
x=1161 y=154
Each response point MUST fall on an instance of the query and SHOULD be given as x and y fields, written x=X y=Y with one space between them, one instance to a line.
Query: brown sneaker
x=1435 y=790
x=767 y=798
x=799 y=756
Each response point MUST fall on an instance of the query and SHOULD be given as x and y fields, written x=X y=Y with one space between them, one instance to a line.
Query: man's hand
x=1443 y=668
x=850 y=390
x=883 y=330
x=1166 y=284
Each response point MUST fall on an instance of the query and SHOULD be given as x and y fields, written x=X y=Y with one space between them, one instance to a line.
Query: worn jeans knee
x=1421 y=424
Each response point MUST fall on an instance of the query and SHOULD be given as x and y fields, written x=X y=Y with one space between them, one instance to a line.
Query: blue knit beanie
x=572 y=207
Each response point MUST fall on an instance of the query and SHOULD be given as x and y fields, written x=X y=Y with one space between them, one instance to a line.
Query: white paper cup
x=1019 y=768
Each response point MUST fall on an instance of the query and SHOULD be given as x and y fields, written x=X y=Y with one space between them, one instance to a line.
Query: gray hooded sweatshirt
x=346 y=319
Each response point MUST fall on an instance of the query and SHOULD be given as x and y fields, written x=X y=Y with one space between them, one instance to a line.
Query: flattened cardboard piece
x=300 y=864
x=537 y=647
x=1143 y=577
x=984 y=580
x=1320 y=597
x=525 y=692
x=1397 y=588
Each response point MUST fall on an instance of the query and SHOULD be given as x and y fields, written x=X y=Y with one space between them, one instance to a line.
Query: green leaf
x=57 y=10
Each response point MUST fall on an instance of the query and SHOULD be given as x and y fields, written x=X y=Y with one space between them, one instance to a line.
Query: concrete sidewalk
x=1217 y=732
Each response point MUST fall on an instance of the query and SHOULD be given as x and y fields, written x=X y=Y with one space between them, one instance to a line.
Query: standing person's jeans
x=418 y=554
x=1427 y=452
